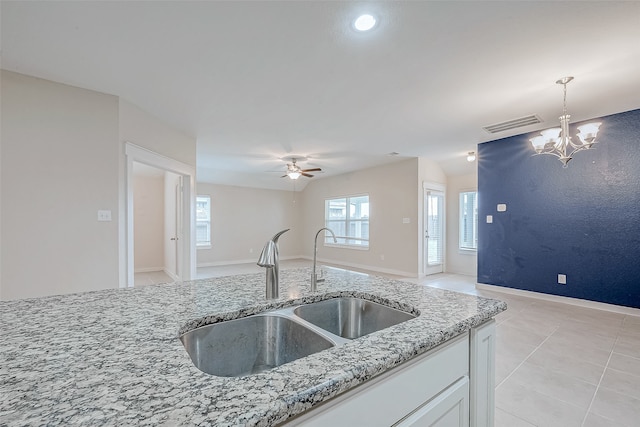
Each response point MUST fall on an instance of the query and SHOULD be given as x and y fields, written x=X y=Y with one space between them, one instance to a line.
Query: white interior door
x=173 y=225
x=433 y=232
x=179 y=235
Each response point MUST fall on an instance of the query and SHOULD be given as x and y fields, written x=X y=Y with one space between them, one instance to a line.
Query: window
x=469 y=220
x=203 y=221
x=348 y=217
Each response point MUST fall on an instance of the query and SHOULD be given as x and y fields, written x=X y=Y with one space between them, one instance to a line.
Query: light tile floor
x=556 y=364
x=151 y=278
x=559 y=364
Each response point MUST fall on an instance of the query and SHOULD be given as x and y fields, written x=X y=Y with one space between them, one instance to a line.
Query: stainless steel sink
x=257 y=343
x=251 y=344
x=351 y=317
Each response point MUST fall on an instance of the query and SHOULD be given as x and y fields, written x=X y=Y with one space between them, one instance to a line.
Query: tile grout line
x=527 y=358
x=518 y=417
x=595 y=393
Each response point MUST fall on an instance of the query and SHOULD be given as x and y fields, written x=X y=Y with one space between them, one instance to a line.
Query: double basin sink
x=260 y=342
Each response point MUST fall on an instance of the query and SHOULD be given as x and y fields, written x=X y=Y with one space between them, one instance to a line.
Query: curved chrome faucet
x=269 y=258
x=314 y=277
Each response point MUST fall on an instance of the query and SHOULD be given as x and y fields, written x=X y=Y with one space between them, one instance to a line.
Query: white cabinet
x=452 y=385
x=448 y=409
x=389 y=398
x=482 y=344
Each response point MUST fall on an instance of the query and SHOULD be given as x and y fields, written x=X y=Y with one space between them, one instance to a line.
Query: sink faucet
x=314 y=276
x=269 y=259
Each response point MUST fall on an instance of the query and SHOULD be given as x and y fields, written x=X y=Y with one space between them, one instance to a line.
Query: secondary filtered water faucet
x=314 y=277
x=269 y=258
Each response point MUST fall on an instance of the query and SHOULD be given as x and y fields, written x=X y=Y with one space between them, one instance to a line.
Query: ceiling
x=259 y=82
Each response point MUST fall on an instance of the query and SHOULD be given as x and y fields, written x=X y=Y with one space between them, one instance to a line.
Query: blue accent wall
x=582 y=221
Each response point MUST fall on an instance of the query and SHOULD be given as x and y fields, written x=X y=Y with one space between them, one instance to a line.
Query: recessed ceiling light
x=364 y=22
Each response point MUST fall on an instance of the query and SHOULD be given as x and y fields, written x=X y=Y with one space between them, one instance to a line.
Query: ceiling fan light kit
x=294 y=171
x=364 y=22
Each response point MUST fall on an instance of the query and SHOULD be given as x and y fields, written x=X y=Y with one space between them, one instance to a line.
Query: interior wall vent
x=512 y=124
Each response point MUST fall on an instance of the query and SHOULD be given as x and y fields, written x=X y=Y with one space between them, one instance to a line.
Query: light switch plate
x=502 y=207
x=489 y=219
x=104 y=215
x=406 y=220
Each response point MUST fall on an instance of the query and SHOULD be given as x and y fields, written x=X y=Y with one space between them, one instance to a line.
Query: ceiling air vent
x=512 y=124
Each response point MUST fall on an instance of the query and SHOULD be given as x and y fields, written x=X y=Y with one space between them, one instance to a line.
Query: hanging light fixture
x=557 y=141
x=294 y=174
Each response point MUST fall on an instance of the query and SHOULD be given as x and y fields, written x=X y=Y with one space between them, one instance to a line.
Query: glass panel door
x=434 y=232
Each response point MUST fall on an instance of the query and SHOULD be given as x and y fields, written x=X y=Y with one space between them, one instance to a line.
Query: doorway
x=157 y=226
x=434 y=229
x=178 y=233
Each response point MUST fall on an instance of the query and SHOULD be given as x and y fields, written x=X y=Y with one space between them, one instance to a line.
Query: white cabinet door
x=449 y=409
x=482 y=374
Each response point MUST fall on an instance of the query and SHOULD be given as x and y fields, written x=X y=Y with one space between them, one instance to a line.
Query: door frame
x=426 y=188
x=135 y=153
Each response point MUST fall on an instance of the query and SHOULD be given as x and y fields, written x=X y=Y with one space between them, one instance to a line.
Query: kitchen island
x=114 y=357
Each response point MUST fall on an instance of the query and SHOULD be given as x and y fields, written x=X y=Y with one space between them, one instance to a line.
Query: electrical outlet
x=381 y=257
x=250 y=250
x=489 y=219
x=562 y=279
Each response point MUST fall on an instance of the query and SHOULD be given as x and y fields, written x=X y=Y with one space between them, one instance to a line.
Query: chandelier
x=557 y=141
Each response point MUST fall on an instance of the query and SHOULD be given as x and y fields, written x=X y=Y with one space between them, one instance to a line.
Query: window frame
x=203 y=244
x=462 y=242
x=328 y=240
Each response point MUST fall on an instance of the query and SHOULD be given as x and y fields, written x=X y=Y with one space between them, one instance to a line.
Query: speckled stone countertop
x=114 y=358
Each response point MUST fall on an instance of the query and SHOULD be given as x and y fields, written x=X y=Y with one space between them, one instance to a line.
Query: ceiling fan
x=294 y=171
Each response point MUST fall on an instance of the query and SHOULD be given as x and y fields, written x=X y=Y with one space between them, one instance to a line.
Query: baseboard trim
x=170 y=274
x=620 y=309
x=148 y=269
x=365 y=267
x=319 y=260
x=242 y=261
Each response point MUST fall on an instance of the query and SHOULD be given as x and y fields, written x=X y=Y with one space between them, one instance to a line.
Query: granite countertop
x=113 y=357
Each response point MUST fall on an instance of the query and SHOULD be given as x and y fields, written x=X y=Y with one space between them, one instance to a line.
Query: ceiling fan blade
x=306 y=174
x=312 y=170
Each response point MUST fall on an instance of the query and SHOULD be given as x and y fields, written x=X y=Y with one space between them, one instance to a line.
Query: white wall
x=145 y=130
x=395 y=192
x=62 y=160
x=244 y=219
x=148 y=213
x=463 y=262
x=59 y=167
x=392 y=190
